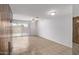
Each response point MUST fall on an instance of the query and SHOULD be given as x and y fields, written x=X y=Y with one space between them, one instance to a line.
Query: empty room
x=36 y=29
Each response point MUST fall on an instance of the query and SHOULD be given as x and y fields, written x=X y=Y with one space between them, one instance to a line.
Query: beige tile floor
x=75 y=49
x=41 y=46
x=20 y=45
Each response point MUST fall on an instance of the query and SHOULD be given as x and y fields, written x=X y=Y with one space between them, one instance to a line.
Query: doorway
x=20 y=33
x=76 y=30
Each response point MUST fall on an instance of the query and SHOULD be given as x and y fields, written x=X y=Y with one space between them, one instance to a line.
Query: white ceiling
x=28 y=11
x=76 y=10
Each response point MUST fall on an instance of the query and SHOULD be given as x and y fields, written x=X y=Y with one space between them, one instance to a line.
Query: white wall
x=76 y=10
x=58 y=29
x=33 y=29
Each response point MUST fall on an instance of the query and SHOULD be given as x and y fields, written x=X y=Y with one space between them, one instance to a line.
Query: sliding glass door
x=20 y=36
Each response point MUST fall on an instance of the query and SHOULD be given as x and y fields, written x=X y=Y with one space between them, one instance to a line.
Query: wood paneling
x=76 y=29
x=5 y=28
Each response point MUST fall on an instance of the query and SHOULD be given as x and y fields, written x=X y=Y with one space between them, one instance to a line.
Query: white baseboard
x=65 y=44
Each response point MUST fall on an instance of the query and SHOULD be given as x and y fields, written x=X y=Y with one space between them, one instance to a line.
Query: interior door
x=76 y=30
x=5 y=28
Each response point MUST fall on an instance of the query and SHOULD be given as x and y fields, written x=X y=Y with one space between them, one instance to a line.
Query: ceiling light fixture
x=52 y=12
x=35 y=19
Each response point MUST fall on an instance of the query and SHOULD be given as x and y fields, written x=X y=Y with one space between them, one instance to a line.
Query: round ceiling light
x=52 y=12
x=35 y=19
